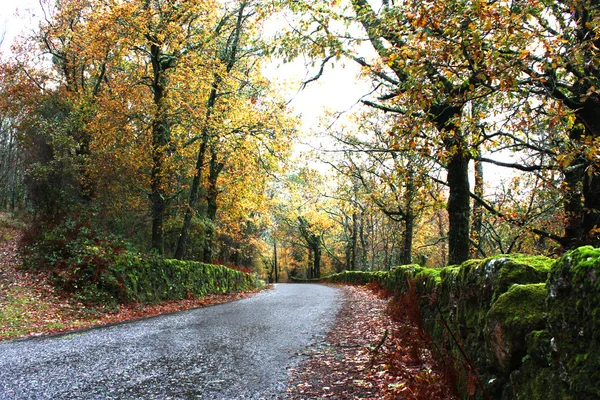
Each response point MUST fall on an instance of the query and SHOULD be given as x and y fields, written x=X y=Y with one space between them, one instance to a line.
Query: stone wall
x=517 y=327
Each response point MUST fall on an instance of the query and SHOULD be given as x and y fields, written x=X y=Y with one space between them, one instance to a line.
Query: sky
x=15 y=18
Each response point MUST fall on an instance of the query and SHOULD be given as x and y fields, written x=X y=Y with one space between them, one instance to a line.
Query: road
x=238 y=350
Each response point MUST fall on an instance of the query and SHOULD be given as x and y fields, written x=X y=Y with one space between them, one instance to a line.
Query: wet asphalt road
x=238 y=350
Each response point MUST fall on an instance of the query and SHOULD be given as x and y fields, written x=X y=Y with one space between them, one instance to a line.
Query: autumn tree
x=119 y=95
x=431 y=60
x=227 y=57
x=306 y=222
x=389 y=170
x=560 y=62
x=239 y=95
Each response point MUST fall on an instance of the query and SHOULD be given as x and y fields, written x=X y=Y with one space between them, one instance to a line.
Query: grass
x=19 y=311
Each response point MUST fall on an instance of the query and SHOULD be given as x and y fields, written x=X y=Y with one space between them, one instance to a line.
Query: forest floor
x=29 y=305
x=374 y=351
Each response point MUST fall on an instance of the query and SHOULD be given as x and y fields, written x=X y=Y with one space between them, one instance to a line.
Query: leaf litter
x=374 y=351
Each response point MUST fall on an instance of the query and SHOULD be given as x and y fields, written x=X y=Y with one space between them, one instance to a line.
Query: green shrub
x=76 y=254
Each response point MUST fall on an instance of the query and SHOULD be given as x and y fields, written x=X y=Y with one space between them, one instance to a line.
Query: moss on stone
x=535 y=382
x=430 y=273
x=574 y=320
x=538 y=377
x=504 y=271
x=516 y=313
x=148 y=279
x=465 y=295
x=529 y=324
x=538 y=347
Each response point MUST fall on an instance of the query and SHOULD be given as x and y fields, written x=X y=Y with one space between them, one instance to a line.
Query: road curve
x=238 y=350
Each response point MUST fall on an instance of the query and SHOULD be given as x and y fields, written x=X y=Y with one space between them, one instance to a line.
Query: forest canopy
x=152 y=126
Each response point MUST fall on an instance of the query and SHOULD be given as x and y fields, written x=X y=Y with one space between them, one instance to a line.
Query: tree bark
x=363 y=242
x=443 y=243
x=477 y=211
x=353 y=242
x=589 y=115
x=409 y=219
x=573 y=204
x=457 y=168
x=275 y=262
x=160 y=138
x=458 y=209
x=407 y=238
x=212 y=193
x=317 y=262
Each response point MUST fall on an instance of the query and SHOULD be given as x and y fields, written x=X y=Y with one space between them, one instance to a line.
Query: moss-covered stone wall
x=152 y=279
x=529 y=325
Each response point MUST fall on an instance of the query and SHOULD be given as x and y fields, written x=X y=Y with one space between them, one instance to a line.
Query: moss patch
x=150 y=280
x=529 y=324
x=574 y=320
x=511 y=318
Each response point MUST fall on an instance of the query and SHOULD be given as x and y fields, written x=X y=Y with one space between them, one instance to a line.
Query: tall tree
x=431 y=60
x=564 y=67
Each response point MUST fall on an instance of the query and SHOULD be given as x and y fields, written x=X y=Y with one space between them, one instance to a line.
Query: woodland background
x=148 y=127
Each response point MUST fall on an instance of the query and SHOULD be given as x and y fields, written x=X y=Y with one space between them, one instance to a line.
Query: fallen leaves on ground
x=374 y=351
x=30 y=307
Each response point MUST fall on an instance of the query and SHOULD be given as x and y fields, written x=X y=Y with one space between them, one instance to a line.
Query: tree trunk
x=409 y=219
x=573 y=203
x=197 y=180
x=212 y=193
x=407 y=238
x=363 y=241
x=354 y=241
x=192 y=203
x=458 y=208
x=317 y=262
x=591 y=219
x=443 y=244
x=275 y=266
x=310 y=264
x=589 y=115
x=477 y=211
x=457 y=167
x=160 y=139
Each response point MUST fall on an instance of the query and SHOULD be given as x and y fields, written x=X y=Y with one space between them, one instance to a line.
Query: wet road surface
x=238 y=350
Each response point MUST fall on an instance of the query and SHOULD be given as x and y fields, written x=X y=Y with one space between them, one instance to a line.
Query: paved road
x=239 y=350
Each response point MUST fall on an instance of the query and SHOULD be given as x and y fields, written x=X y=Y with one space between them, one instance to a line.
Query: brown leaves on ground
x=30 y=307
x=375 y=351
